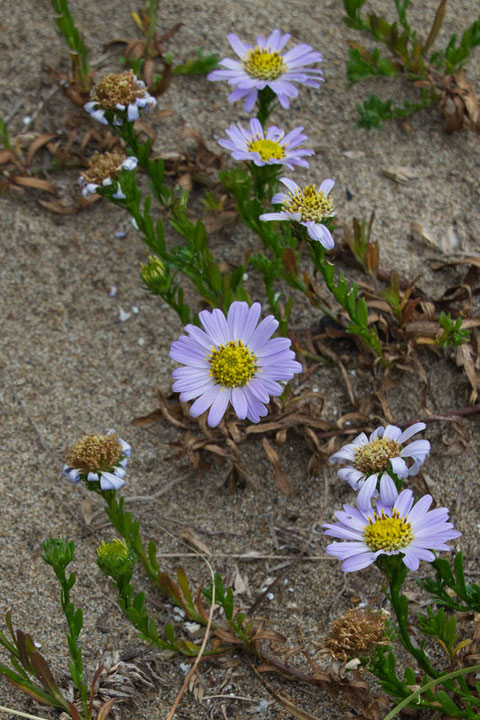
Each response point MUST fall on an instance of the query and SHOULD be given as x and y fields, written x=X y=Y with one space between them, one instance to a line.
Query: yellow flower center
x=263 y=65
x=267 y=149
x=312 y=204
x=375 y=456
x=233 y=364
x=95 y=453
x=388 y=533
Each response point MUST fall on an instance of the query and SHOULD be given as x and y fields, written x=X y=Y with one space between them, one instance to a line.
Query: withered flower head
x=118 y=97
x=103 y=169
x=98 y=458
x=118 y=89
x=102 y=166
x=356 y=633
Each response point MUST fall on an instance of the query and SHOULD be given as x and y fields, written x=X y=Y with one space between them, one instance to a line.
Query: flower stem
x=396 y=575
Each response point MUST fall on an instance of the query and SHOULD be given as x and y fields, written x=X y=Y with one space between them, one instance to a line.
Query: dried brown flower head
x=117 y=89
x=102 y=166
x=95 y=453
x=355 y=633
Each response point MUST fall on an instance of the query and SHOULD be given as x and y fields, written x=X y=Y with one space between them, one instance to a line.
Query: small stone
x=120 y=234
x=113 y=291
x=135 y=309
x=270 y=596
x=141 y=342
x=124 y=316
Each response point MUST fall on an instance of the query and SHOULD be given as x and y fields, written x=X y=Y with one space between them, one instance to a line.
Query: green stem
x=128 y=529
x=266 y=102
x=450 y=676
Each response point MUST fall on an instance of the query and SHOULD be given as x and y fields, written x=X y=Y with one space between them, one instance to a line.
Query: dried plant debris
x=122 y=678
x=355 y=634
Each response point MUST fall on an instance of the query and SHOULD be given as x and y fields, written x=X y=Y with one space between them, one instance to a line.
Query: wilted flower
x=102 y=171
x=119 y=97
x=372 y=456
x=355 y=634
x=232 y=360
x=308 y=206
x=395 y=527
x=263 y=65
x=272 y=147
x=98 y=458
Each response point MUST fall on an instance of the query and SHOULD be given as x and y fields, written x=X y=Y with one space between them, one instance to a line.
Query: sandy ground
x=70 y=367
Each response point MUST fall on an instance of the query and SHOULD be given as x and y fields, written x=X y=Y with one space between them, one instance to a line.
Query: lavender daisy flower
x=102 y=171
x=395 y=527
x=272 y=147
x=98 y=458
x=308 y=206
x=232 y=360
x=264 y=65
x=119 y=97
x=372 y=456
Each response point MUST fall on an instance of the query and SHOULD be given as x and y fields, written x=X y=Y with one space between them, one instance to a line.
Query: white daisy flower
x=264 y=65
x=307 y=206
x=373 y=456
x=102 y=171
x=118 y=98
x=272 y=147
x=98 y=458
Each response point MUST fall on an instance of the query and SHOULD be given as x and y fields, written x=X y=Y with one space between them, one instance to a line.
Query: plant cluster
x=232 y=358
x=438 y=74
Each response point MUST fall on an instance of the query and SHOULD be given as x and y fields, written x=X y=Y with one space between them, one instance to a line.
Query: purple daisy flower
x=395 y=527
x=308 y=206
x=232 y=360
x=99 y=458
x=263 y=65
x=372 y=456
x=272 y=147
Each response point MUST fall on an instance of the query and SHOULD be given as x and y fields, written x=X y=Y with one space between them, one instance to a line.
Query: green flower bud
x=115 y=559
x=58 y=552
x=155 y=275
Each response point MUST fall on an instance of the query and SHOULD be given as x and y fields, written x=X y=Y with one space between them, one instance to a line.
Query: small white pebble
x=120 y=234
x=134 y=223
x=37 y=644
x=185 y=668
x=27 y=120
x=286 y=581
x=141 y=342
x=113 y=291
x=291 y=589
x=245 y=277
x=179 y=611
x=262 y=705
x=135 y=309
x=124 y=316
x=270 y=596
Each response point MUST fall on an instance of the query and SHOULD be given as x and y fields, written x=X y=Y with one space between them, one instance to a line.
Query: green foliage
x=59 y=554
x=4 y=135
x=361 y=65
x=445 y=578
x=224 y=598
x=75 y=41
x=411 y=58
x=454 y=57
x=347 y=297
x=202 y=65
x=374 y=112
x=452 y=334
x=29 y=671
